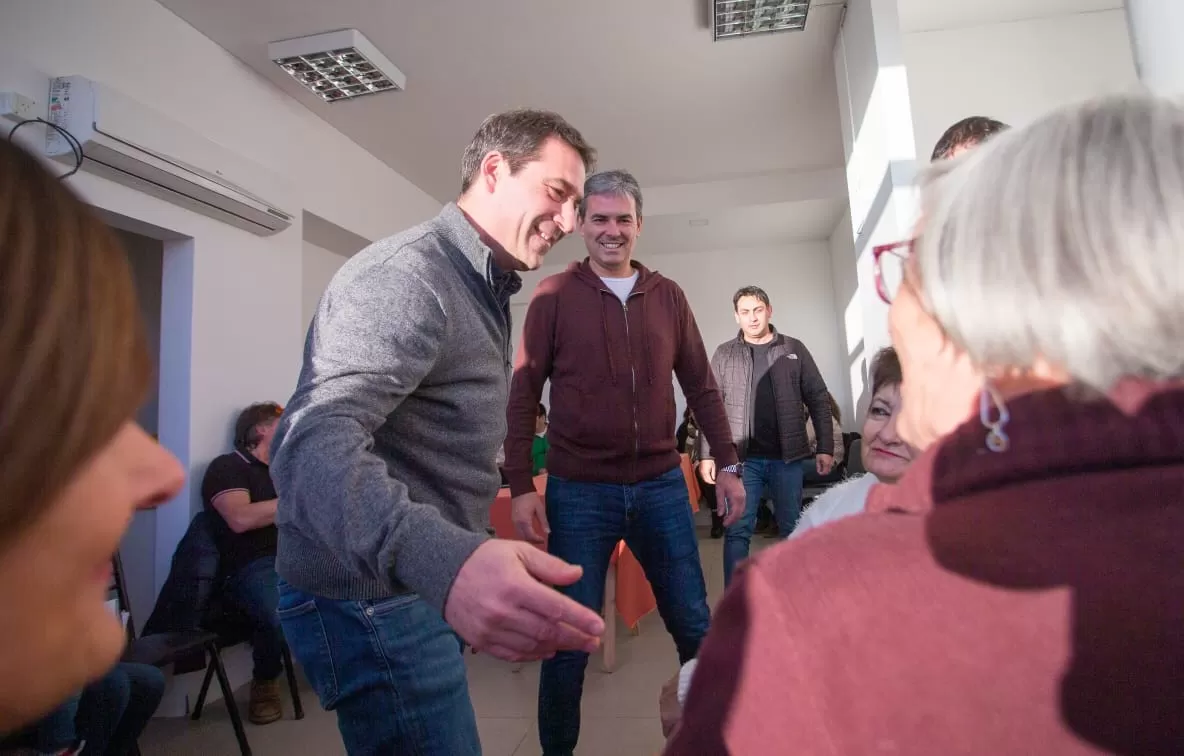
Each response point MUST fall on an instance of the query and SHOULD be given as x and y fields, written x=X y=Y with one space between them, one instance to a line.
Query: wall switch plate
x=17 y=107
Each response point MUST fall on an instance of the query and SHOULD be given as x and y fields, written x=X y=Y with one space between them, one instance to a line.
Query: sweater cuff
x=432 y=559
x=521 y=482
x=726 y=456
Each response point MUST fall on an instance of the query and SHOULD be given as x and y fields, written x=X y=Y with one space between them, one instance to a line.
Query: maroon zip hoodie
x=612 y=398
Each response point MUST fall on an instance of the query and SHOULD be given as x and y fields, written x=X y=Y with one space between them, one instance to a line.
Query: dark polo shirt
x=239 y=471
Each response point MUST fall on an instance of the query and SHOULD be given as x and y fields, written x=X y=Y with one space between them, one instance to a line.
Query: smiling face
x=610 y=228
x=884 y=453
x=522 y=214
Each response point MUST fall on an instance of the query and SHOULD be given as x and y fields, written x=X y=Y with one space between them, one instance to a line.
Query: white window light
x=743 y=18
x=336 y=66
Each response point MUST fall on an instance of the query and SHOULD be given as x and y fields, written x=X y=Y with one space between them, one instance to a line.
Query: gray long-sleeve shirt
x=384 y=457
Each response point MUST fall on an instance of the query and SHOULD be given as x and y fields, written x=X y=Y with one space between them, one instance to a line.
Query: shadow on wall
x=860 y=390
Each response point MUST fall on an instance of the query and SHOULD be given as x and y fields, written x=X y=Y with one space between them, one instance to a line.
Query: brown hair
x=749 y=291
x=969 y=132
x=74 y=365
x=885 y=370
x=246 y=427
x=519 y=135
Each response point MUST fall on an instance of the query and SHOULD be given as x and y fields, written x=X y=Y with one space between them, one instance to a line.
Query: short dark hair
x=519 y=136
x=246 y=428
x=885 y=370
x=750 y=291
x=969 y=132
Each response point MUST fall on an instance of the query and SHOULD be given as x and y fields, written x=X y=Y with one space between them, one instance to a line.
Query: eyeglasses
x=889 y=262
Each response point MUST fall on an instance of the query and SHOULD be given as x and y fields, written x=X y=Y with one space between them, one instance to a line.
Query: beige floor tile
x=607 y=736
x=502 y=737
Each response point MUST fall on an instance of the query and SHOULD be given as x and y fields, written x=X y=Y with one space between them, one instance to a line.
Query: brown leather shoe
x=265 y=706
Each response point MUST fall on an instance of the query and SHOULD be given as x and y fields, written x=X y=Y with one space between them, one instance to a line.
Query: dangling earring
x=997 y=440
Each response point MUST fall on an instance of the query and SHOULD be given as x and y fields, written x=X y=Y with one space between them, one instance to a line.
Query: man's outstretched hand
x=501 y=602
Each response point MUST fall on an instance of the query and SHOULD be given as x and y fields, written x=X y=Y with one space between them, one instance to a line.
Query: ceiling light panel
x=743 y=18
x=337 y=66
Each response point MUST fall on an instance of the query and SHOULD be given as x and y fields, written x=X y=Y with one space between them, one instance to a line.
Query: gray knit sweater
x=384 y=457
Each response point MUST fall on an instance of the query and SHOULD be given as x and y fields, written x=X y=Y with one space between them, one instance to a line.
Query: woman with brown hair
x=74 y=466
x=883 y=454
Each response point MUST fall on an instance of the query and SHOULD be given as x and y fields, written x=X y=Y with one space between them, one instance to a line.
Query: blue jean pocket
x=304 y=630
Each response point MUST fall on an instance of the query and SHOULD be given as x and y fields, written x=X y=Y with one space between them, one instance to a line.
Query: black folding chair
x=848 y=467
x=163 y=649
x=231 y=631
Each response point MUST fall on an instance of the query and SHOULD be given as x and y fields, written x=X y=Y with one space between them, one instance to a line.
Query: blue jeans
x=587 y=520
x=784 y=481
x=108 y=715
x=253 y=590
x=391 y=668
x=114 y=710
x=54 y=732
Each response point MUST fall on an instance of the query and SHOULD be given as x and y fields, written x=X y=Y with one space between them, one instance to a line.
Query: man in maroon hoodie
x=608 y=333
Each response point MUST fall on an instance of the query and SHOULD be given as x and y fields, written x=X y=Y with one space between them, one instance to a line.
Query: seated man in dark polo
x=238 y=487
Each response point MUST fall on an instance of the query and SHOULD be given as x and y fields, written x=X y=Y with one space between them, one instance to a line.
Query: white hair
x=1064 y=241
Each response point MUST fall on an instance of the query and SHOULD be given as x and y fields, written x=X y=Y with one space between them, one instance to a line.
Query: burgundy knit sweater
x=1026 y=602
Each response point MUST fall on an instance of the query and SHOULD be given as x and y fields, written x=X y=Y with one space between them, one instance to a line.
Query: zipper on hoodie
x=633 y=376
x=632 y=372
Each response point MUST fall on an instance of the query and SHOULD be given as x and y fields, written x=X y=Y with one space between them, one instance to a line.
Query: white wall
x=1014 y=71
x=319 y=266
x=797 y=277
x=880 y=149
x=1155 y=36
x=850 y=385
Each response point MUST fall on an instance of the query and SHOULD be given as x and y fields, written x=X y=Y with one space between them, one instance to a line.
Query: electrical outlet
x=16 y=107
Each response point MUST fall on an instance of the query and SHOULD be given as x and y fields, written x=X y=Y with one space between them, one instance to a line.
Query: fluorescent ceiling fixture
x=336 y=66
x=743 y=18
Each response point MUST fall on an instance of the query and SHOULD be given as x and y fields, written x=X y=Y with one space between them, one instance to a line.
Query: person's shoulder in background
x=844 y=500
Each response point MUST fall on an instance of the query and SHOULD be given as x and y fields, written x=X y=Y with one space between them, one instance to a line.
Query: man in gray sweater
x=384 y=459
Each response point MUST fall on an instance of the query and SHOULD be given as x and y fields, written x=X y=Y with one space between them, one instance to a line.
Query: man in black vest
x=766 y=377
x=237 y=488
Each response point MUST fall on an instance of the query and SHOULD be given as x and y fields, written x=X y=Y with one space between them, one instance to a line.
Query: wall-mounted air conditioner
x=133 y=145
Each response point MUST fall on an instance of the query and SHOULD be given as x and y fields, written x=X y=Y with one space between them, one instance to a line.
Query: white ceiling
x=927 y=15
x=642 y=80
x=743 y=133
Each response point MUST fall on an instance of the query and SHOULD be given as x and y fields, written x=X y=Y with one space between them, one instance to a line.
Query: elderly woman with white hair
x=1021 y=588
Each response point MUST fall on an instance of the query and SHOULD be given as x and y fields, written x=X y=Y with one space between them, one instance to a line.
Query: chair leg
x=608 y=647
x=231 y=706
x=297 y=707
x=205 y=689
